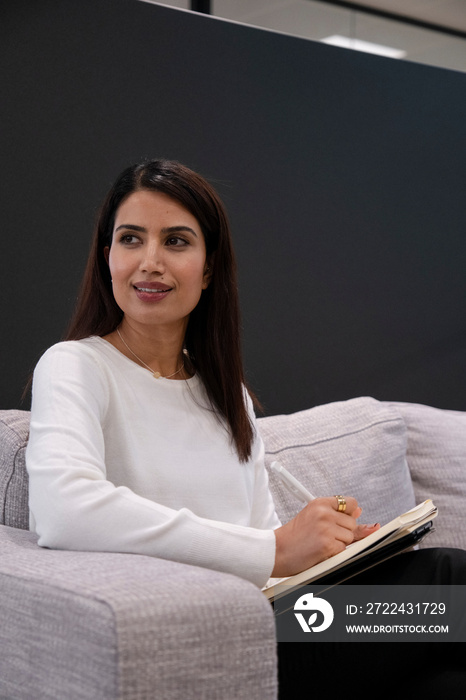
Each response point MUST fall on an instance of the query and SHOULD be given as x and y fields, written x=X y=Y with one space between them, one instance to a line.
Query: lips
x=150 y=292
x=151 y=287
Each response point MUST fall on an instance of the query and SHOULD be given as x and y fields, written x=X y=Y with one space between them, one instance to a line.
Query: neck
x=161 y=350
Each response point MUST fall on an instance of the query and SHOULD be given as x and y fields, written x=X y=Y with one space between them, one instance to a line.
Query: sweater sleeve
x=74 y=506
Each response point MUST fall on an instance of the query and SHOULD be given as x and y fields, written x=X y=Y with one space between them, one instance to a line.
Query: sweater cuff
x=243 y=551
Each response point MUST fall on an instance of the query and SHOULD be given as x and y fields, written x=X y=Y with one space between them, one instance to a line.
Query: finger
x=362 y=531
x=344 y=534
x=346 y=520
x=350 y=504
x=349 y=531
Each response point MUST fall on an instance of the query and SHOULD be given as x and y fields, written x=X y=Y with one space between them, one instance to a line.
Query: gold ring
x=341 y=503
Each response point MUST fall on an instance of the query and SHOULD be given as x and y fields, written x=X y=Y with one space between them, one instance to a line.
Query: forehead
x=149 y=208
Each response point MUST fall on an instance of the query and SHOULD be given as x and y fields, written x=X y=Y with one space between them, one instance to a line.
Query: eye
x=176 y=242
x=128 y=239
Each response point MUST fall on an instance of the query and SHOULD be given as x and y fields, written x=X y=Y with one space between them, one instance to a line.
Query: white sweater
x=121 y=462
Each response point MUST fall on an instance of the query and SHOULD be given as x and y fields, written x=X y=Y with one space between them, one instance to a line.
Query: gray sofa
x=93 y=626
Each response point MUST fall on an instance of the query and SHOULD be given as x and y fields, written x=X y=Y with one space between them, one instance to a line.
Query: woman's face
x=157 y=260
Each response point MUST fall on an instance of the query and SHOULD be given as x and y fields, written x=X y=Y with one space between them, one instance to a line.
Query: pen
x=291 y=483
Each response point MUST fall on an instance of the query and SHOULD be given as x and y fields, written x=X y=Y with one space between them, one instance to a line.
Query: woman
x=142 y=434
x=143 y=437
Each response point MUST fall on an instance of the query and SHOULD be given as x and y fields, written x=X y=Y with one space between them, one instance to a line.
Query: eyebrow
x=169 y=229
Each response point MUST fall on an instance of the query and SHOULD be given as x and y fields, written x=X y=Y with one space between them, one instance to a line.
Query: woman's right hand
x=317 y=532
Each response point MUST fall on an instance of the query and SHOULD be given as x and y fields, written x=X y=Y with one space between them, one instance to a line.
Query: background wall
x=344 y=175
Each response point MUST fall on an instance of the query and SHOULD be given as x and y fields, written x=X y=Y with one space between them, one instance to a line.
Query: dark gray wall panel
x=344 y=175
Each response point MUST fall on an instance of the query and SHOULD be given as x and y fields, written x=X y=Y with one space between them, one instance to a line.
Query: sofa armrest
x=14 y=433
x=106 y=626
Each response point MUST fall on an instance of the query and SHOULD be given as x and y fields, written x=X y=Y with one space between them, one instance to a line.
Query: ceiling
x=416 y=39
x=450 y=14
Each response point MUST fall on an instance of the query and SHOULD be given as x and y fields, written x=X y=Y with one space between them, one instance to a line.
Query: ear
x=208 y=272
x=107 y=253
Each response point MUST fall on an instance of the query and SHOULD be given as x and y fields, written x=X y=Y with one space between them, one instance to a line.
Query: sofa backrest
x=437 y=463
x=364 y=447
x=361 y=447
x=356 y=447
x=14 y=431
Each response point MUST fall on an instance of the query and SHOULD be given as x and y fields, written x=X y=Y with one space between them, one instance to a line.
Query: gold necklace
x=156 y=375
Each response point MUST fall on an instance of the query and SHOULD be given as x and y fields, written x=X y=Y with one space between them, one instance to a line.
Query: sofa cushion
x=355 y=447
x=14 y=431
x=437 y=462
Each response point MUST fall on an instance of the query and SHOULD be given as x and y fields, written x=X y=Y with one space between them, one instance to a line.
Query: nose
x=152 y=259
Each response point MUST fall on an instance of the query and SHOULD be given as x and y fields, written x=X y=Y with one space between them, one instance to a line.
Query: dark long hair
x=213 y=334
